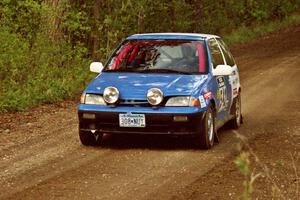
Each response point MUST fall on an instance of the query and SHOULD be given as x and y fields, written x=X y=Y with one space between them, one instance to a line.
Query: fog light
x=111 y=95
x=155 y=96
x=180 y=118
x=88 y=116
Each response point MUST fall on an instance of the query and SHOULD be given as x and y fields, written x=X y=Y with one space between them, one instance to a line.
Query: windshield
x=160 y=56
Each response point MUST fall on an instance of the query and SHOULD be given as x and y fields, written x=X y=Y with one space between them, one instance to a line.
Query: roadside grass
x=245 y=34
x=245 y=161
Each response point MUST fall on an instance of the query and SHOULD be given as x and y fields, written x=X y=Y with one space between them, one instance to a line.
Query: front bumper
x=158 y=121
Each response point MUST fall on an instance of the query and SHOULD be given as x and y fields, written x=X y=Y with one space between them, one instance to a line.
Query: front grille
x=134 y=103
x=139 y=103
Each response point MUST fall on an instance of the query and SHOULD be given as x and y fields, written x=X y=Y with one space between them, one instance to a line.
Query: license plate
x=132 y=120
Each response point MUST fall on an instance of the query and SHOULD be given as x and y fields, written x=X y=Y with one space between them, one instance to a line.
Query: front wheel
x=88 y=138
x=206 y=130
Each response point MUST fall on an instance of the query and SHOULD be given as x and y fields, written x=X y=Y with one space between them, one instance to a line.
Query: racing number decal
x=222 y=93
x=221 y=81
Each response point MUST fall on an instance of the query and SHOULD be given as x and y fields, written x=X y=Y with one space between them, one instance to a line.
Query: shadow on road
x=154 y=142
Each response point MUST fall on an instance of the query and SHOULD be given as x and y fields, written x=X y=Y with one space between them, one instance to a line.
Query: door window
x=215 y=52
x=228 y=56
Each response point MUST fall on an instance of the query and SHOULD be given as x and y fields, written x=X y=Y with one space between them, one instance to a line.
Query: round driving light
x=155 y=96
x=111 y=95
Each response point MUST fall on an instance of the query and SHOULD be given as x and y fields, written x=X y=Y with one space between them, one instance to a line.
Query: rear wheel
x=88 y=138
x=237 y=110
x=206 y=130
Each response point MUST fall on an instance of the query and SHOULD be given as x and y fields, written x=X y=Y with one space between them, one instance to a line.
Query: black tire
x=88 y=138
x=206 y=130
x=237 y=120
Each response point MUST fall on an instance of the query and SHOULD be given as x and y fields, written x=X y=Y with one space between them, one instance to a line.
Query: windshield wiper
x=164 y=71
x=121 y=70
x=147 y=71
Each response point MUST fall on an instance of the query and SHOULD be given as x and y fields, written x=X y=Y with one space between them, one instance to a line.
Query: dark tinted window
x=215 y=53
x=228 y=56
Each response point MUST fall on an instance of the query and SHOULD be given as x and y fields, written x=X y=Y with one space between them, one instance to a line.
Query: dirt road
x=41 y=156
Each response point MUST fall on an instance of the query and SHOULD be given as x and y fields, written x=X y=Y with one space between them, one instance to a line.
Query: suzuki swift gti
x=163 y=83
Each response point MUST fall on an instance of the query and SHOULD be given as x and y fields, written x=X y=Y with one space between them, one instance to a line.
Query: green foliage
x=243 y=163
x=46 y=45
x=42 y=73
x=35 y=68
x=76 y=25
x=23 y=17
x=245 y=34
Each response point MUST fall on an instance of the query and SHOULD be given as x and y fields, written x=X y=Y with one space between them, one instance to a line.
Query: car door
x=224 y=88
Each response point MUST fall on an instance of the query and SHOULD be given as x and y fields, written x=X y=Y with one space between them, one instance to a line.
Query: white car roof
x=172 y=36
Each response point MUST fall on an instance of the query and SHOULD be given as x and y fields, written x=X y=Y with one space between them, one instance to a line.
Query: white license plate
x=132 y=120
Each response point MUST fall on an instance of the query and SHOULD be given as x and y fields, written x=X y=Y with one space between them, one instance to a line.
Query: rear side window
x=215 y=53
x=228 y=56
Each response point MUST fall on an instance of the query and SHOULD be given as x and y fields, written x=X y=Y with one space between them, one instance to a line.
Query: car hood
x=136 y=85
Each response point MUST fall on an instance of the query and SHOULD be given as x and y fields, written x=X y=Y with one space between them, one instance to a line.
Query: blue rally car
x=163 y=83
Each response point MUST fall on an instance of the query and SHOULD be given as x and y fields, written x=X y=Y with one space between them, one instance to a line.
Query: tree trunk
x=95 y=35
x=55 y=21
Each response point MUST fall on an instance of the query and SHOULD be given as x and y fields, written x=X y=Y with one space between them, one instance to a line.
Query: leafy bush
x=35 y=68
x=46 y=72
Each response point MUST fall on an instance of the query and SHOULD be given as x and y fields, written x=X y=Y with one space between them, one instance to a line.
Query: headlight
x=111 y=95
x=183 y=101
x=93 y=99
x=155 y=96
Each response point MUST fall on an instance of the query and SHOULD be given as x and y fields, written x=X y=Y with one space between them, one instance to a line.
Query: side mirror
x=96 y=67
x=222 y=70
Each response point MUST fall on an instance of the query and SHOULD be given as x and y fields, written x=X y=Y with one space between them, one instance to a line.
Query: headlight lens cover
x=183 y=101
x=94 y=99
x=155 y=96
x=111 y=95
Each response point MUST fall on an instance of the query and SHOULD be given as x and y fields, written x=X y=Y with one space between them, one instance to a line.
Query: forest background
x=46 y=45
